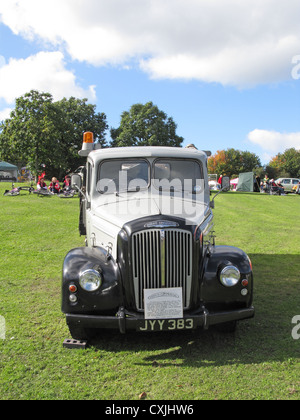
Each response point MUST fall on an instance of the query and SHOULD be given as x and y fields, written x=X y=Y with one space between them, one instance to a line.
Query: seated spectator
x=54 y=186
x=67 y=182
x=280 y=186
x=41 y=185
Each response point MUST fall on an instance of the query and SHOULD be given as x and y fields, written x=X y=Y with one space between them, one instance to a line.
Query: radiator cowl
x=161 y=258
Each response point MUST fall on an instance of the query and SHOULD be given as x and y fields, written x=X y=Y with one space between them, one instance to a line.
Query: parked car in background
x=288 y=183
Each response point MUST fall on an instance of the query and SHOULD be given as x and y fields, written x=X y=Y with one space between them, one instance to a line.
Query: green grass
x=260 y=361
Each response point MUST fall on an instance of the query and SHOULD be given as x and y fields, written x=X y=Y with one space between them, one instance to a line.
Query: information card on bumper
x=164 y=310
x=163 y=303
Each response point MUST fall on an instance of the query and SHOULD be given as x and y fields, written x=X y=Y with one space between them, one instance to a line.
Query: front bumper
x=126 y=321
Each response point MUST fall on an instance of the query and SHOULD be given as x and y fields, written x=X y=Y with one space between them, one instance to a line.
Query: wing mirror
x=224 y=187
x=225 y=183
x=76 y=182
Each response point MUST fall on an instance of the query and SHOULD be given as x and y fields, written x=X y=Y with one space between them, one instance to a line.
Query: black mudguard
x=108 y=298
x=212 y=291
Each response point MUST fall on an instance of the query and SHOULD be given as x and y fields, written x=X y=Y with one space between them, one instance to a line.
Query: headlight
x=90 y=280
x=230 y=275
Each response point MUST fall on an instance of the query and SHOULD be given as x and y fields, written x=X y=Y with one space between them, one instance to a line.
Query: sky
x=226 y=71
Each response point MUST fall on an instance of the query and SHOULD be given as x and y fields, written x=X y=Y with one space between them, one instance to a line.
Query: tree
x=274 y=168
x=232 y=162
x=285 y=164
x=26 y=136
x=40 y=131
x=217 y=163
x=75 y=116
x=145 y=125
x=291 y=159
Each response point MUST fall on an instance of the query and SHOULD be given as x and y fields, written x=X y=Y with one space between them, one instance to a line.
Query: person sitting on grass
x=67 y=182
x=41 y=185
x=54 y=186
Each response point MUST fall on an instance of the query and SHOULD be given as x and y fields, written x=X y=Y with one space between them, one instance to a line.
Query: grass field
x=260 y=361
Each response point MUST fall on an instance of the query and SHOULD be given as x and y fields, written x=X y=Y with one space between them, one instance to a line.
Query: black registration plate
x=166 y=324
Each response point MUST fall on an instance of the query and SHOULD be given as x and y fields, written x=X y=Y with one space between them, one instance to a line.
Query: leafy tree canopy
x=285 y=164
x=232 y=162
x=145 y=125
x=40 y=131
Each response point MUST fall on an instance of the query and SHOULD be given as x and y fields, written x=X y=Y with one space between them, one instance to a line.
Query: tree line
x=43 y=133
x=232 y=162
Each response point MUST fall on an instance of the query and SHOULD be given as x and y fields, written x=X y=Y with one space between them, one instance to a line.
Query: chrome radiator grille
x=161 y=258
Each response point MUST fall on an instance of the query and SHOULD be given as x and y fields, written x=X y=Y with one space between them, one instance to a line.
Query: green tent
x=246 y=182
x=8 y=171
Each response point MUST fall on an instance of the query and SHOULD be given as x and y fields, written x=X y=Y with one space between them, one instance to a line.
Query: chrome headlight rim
x=90 y=280
x=229 y=275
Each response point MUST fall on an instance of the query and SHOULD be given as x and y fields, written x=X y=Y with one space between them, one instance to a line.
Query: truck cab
x=150 y=262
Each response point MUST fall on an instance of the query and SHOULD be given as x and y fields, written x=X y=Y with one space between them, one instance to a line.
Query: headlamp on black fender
x=90 y=280
x=229 y=276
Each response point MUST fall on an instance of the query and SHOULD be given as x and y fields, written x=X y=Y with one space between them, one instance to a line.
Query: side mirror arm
x=225 y=188
x=80 y=190
x=212 y=202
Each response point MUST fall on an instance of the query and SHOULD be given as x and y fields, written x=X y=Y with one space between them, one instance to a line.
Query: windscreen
x=123 y=176
x=178 y=174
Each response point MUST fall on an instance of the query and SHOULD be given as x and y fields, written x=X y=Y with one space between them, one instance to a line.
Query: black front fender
x=212 y=291
x=108 y=298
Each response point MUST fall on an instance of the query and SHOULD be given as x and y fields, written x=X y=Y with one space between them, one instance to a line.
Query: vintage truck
x=150 y=262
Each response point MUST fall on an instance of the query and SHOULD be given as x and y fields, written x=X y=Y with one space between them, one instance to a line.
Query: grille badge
x=161 y=224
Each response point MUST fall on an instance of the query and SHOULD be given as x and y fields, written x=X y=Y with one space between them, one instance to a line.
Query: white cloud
x=230 y=66
x=234 y=42
x=44 y=71
x=274 y=141
x=2 y=61
x=5 y=113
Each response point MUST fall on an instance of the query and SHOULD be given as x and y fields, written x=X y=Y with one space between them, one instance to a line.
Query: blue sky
x=226 y=71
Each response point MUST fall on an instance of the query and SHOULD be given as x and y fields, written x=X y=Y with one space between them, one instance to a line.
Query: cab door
x=83 y=202
x=87 y=207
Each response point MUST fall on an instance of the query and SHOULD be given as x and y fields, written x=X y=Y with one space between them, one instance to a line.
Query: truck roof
x=147 y=151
